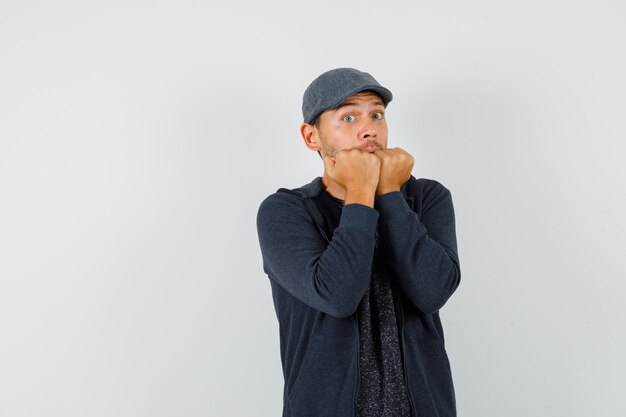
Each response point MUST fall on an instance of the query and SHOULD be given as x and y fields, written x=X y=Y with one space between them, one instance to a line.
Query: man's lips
x=371 y=148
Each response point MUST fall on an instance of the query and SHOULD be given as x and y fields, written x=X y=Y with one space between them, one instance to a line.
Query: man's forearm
x=329 y=277
x=424 y=260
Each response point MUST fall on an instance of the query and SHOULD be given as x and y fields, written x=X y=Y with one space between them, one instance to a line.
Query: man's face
x=357 y=123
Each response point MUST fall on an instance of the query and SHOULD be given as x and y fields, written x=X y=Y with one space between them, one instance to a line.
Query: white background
x=137 y=140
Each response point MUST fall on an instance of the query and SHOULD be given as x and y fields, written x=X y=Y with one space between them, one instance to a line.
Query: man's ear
x=311 y=137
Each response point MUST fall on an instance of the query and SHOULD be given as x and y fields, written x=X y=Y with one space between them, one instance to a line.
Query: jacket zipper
x=323 y=233
x=358 y=342
x=358 y=370
x=406 y=379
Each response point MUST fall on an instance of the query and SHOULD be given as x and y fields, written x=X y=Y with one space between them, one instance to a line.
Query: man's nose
x=368 y=129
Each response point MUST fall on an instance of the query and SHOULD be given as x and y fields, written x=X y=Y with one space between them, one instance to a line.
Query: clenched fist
x=356 y=172
x=396 y=165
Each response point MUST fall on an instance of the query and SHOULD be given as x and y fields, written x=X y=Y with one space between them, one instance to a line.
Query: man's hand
x=357 y=173
x=395 y=169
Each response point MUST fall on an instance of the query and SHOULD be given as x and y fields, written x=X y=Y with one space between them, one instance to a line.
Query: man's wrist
x=386 y=190
x=364 y=197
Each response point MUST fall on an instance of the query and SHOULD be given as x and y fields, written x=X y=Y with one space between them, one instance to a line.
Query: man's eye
x=377 y=115
x=348 y=118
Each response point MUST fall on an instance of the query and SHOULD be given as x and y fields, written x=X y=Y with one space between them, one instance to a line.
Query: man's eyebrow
x=349 y=103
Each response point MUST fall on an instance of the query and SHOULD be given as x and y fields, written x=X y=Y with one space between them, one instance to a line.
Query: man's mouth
x=371 y=148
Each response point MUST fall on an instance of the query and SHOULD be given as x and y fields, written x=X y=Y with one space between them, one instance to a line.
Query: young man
x=360 y=261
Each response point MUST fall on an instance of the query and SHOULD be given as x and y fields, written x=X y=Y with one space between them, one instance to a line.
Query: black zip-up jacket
x=317 y=285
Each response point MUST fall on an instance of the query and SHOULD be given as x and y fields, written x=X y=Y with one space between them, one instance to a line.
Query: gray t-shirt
x=382 y=391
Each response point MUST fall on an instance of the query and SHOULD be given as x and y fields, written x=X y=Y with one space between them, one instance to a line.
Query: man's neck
x=333 y=188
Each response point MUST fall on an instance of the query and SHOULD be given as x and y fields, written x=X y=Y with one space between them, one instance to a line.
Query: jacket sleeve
x=329 y=277
x=422 y=252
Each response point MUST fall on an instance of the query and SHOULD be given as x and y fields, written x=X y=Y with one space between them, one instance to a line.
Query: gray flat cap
x=333 y=87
